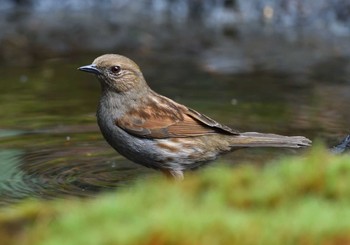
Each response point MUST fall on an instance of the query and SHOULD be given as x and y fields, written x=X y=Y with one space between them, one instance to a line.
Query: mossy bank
x=298 y=200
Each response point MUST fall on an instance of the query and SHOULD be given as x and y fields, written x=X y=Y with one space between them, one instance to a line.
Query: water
x=50 y=145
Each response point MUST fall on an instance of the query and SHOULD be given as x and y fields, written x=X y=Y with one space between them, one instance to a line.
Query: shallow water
x=50 y=145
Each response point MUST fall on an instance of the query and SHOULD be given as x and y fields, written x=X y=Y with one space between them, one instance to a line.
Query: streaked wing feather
x=168 y=119
x=210 y=122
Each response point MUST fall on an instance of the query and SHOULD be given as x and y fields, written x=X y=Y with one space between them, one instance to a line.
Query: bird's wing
x=163 y=118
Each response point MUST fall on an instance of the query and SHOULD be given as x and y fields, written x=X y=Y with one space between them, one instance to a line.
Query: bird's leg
x=173 y=174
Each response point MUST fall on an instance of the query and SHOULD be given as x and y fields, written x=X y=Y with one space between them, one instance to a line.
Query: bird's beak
x=90 y=68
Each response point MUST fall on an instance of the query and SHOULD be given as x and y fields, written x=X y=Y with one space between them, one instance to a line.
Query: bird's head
x=117 y=73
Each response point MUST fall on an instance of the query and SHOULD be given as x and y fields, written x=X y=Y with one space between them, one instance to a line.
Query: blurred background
x=277 y=66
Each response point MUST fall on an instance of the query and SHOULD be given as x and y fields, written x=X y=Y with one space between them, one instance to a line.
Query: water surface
x=50 y=144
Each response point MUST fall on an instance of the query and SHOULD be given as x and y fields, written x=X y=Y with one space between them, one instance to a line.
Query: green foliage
x=300 y=200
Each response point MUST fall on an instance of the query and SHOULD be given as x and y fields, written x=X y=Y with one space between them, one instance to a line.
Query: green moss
x=300 y=200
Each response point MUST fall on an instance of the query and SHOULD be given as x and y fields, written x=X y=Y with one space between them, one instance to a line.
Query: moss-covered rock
x=300 y=200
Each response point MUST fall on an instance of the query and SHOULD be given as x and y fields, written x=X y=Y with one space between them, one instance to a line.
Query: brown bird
x=155 y=131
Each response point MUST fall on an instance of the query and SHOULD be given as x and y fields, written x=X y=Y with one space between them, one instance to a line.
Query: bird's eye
x=115 y=69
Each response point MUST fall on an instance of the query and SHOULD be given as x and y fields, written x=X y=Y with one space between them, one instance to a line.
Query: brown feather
x=161 y=118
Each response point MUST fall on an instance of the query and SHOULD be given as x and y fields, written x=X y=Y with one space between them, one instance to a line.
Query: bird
x=157 y=132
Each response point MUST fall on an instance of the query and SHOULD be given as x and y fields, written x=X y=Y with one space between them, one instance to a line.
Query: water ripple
x=73 y=171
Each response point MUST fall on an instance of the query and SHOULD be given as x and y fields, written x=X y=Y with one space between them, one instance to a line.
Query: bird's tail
x=253 y=139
